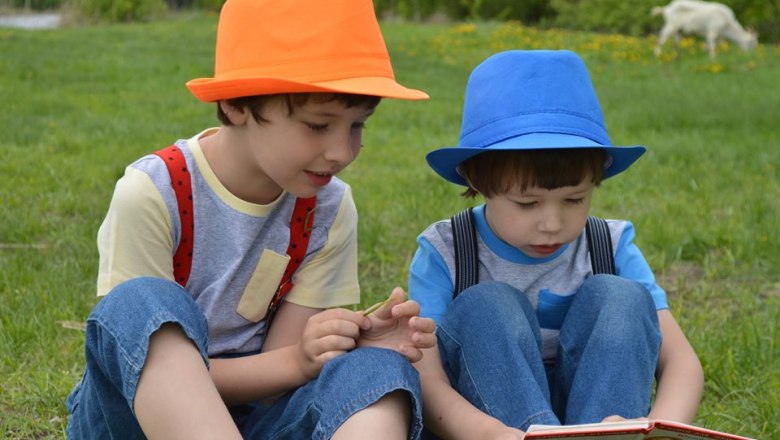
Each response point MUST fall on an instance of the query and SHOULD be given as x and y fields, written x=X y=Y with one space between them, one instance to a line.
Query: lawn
x=79 y=104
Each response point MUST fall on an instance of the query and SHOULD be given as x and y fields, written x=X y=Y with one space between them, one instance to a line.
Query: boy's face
x=300 y=151
x=539 y=221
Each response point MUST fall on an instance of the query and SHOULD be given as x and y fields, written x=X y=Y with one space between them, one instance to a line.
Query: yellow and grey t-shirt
x=239 y=251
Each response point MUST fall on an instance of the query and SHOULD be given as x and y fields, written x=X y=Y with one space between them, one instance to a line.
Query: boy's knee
x=490 y=300
x=363 y=367
x=134 y=310
x=365 y=363
x=486 y=312
x=140 y=298
x=619 y=307
x=613 y=292
x=371 y=371
x=364 y=377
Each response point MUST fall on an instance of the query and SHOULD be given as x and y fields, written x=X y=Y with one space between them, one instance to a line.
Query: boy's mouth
x=319 y=178
x=545 y=249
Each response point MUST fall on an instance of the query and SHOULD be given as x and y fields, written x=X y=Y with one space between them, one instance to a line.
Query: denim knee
x=489 y=310
x=614 y=295
x=490 y=347
x=346 y=385
x=608 y=351
x=361 y=368
x=122 y=323
x=615 y=306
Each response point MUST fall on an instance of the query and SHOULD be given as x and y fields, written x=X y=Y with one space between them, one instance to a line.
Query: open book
x=628 y=429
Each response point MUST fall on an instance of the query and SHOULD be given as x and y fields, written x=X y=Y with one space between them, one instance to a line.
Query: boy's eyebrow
x=533 y=192
x=329 y=114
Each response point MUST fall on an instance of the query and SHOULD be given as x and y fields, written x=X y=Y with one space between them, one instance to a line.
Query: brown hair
x=255 y=104
x=496 y=172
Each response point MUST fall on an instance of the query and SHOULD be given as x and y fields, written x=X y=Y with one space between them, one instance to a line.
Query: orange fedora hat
x=292 y=46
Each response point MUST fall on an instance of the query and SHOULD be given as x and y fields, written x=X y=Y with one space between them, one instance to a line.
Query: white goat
x=711 y=20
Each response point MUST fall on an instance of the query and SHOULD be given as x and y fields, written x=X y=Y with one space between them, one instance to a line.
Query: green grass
x=79 y=104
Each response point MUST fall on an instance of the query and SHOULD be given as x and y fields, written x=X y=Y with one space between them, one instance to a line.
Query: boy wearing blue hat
x=542 y=332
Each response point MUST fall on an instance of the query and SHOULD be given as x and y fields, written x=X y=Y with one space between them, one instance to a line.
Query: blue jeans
x=490 y=346
x=117 y=343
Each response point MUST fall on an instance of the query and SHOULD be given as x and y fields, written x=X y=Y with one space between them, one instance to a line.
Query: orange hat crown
x=292 y=46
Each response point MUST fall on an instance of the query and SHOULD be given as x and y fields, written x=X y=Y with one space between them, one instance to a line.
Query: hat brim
x=445 y=161
x=211 y=89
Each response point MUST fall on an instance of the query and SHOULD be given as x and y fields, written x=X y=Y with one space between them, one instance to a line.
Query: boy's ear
x=237 y=115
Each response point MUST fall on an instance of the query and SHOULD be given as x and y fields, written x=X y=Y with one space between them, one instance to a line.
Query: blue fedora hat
x=530 y=100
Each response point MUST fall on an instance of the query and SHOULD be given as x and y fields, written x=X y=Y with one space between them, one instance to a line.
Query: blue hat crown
x=524 y=100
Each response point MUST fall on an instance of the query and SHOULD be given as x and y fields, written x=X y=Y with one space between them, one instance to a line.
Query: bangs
x=255 y=104
x=348 y=100
x=498 y=172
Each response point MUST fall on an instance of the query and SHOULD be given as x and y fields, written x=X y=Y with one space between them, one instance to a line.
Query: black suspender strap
x=464 y=234
x=600 y=246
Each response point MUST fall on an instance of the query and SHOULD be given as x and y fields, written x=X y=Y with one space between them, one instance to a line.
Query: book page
x=623 y=430
x=623 y=424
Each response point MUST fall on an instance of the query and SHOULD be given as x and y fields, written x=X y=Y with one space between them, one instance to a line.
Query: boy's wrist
x=303 y=370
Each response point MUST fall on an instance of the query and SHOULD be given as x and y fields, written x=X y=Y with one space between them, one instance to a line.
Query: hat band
x=316 y=70
x=553 y=122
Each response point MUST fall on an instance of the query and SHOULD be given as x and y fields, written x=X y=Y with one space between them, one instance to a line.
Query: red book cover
x=628 y=430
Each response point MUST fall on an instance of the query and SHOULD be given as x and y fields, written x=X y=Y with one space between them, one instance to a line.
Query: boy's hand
x=328 y=334
x=396 y=326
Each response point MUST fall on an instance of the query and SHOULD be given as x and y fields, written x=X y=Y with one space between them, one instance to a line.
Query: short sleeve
x=631 y=264
x=135 y=237
x=430 y=283
x=330 y=278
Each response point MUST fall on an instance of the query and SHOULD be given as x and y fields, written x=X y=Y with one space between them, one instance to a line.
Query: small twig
x=73 y=325
x=23 y=246
x=375 y=307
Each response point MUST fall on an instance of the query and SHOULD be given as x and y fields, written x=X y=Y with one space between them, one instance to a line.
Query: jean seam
x=310 y=408
x=467 y=371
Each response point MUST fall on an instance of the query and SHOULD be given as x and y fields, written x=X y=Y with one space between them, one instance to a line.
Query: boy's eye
x=319 y=128
x=359 y=126
x=525 y=205
x=576 y=201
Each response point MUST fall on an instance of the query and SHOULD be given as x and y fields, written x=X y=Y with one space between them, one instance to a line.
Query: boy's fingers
x=424 y=340
x=412 y=354
x=426 y=325
x=331 y=317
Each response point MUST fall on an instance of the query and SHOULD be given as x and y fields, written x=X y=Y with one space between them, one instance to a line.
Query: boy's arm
x=679 y=374
x=300 y=341
x=448 y=414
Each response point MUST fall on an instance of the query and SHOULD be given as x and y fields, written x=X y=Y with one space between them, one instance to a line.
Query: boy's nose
x=551 y=221
x=342 y=149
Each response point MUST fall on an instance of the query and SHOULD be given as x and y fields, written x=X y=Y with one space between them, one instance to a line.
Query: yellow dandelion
x=465 y=28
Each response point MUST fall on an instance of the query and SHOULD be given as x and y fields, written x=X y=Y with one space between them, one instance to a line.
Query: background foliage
x=630 y=17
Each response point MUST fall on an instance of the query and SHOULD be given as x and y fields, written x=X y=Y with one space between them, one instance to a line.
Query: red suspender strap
x=182 y=186
x=301 y=224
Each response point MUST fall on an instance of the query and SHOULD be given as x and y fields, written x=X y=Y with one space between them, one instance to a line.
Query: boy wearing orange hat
x=207 y=240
